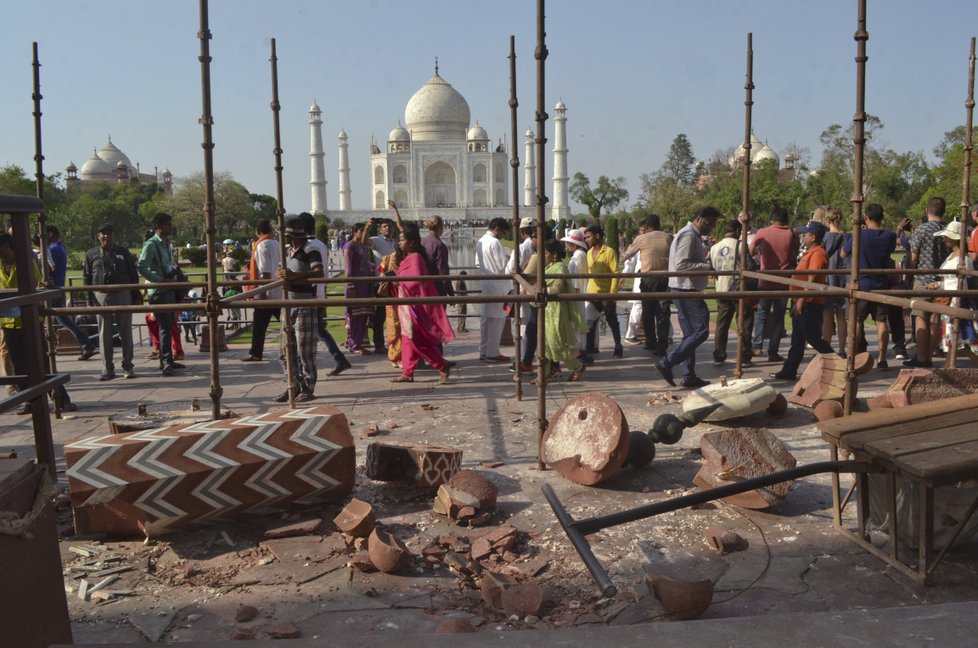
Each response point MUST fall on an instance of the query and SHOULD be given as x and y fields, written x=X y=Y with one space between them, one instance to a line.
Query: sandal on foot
x=576 y=374
x=442 y=377
x=402 y=379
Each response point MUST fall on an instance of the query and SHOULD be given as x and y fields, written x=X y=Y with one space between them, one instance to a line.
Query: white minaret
x=530 y=173
x=561 y=197
x=317 y=160
x=344 y=173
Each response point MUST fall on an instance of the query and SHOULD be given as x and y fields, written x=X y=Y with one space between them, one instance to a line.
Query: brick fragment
x=524 y=599
x=306 y=527
x=723 y=541
x=387 y=552
x=492 y=586
x=454 y=625
x=829 y=410
x=245 y=613
x=356 y=519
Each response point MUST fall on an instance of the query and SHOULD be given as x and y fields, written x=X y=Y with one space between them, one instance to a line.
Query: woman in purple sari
x=356 y=260
x=424 y=327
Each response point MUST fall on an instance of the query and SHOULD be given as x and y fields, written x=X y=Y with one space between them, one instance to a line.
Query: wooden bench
x=930 y=445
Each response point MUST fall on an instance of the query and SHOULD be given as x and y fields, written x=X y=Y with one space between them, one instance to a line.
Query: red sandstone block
x=587 y=439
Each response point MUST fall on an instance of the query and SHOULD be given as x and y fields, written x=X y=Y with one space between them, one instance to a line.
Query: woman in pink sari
x=424 y=327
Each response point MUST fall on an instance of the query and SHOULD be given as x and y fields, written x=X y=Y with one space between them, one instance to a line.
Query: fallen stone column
x=425 y=466
x=158 y=480
x=587 y=440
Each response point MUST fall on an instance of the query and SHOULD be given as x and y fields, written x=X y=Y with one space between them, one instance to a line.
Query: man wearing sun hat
x=652 y=246
x=806 y=312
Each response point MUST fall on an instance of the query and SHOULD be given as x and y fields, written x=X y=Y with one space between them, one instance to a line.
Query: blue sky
x=633 y=74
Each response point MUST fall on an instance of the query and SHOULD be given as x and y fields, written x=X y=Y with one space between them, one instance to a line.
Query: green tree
x=664 y=196
x=234 y=211
x=680 y=164
x=606 y=195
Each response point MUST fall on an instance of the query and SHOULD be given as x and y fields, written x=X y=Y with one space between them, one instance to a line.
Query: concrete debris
x=587 y=439
x=492 y=586
x=723 y=541
x=683 y=600
x=734 y=455
x=387 y=552
x=243 y=634
x=468 y=498
x=426 y=466
x=305 y=527
x=356 y=519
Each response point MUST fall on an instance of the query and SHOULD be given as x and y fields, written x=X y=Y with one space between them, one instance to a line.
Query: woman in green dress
x=564 y=320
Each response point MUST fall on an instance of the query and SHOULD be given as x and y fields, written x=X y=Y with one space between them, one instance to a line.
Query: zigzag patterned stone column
x=154 y=481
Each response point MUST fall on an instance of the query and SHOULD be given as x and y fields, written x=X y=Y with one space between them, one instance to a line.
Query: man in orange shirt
x=806 y=312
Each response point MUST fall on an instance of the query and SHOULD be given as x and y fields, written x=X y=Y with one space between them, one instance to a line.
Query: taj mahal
x=437 y=162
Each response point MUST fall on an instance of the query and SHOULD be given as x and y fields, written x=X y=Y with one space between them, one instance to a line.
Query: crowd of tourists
x=410 y=335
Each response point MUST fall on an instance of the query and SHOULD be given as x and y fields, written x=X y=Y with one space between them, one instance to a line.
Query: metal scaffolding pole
x=541 y=118
x=969 y=104
x=859 y=140
x=743 y=339
x=207 y=122
x=514 y=163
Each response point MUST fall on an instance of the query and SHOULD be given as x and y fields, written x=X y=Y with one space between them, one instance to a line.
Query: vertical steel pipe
x=514 y=163
x=49 y=329
x=540 y=54
x=207 y=122
x=969 y=104
x=288 y=331
x=859 y=140
x=743 y=339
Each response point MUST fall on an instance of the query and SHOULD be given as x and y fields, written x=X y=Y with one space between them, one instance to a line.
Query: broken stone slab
x=300 y=550
x=425 y=466
x=825 y=379
x=387 y=552
x=356 y=519
x=914 y=386
x=733 y=455
x=156 y=415
x=155 y=481
x=305 y=527
x=738 y=397
x=587 y=440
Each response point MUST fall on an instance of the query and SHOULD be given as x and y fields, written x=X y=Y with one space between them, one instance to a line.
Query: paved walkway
x=799 y=582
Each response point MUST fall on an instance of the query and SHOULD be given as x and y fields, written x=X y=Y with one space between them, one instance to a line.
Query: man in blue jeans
x=157 y=265
x=688 y=253
x=59 y=261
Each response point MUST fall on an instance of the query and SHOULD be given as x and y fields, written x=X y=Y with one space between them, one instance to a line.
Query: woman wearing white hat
x=949 y=281
x=577 y=248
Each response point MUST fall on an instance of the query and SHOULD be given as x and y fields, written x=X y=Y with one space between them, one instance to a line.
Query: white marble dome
x=477 y=133
x=766 y=153
x=113 y=156
x=96 y=167
x=399 y=134
x=437 y=112
x=755 y=147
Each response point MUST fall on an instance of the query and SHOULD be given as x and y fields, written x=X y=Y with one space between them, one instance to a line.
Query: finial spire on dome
x=436 y=66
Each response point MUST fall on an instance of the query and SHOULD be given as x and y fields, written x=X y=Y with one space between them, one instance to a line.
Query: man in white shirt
x=266 y=257
x=490 y=259
x=687 y=253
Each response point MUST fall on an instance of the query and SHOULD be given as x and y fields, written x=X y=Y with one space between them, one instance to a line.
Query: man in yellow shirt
x=602 y=259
